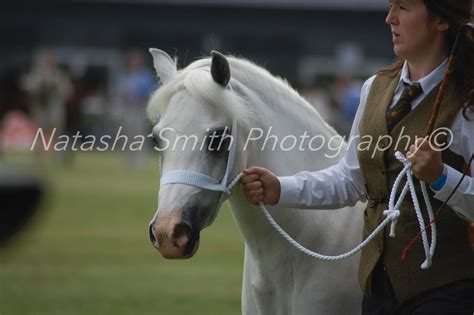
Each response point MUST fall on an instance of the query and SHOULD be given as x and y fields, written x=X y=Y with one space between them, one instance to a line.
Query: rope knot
x=392 y=214
x=402 y=158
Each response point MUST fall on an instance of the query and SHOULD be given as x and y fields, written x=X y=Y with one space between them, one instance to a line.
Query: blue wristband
x=439 y=182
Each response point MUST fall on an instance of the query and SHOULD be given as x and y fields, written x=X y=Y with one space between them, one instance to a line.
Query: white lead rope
x=391 y=216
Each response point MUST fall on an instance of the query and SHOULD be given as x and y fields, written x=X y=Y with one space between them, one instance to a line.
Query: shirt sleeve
x=462 y=201
x=335 y=187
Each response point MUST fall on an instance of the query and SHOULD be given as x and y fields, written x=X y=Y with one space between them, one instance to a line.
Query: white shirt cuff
x=452 y=179
x=289 y=192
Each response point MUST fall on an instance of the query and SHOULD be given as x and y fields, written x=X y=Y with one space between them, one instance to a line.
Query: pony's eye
x=218 y=140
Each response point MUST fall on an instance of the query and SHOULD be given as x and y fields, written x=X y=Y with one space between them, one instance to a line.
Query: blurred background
x=73 y=225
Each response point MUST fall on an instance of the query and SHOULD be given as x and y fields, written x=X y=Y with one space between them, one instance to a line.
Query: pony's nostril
x=181 y=235
x=151 y=234
x=185 y=238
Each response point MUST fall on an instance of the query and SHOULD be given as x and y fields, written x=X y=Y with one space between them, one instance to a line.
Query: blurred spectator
x=350 y=100
x=136 y=86
x=345 y=93
x=49 y=88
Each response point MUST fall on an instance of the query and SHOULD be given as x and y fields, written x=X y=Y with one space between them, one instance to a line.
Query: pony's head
x=192 y=113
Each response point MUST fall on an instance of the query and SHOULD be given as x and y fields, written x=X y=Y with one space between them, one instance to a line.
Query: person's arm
x=337 y=186
x=462 y=200
x=332 y=188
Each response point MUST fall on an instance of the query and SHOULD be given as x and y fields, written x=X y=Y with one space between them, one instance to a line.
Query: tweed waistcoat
x=453 y=259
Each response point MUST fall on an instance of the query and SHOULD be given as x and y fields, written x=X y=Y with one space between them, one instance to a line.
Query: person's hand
x=426 y=161
x=260 y=185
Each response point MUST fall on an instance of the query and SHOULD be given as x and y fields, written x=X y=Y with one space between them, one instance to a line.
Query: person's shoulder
x=367 y=84
x=369 y=81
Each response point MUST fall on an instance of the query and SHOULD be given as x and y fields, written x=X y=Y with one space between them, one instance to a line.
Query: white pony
x=218 y=97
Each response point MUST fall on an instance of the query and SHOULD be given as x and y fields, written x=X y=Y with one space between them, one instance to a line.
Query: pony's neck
x=282 y=115
x=280 y=112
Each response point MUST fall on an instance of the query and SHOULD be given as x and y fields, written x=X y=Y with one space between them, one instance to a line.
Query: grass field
x=87 y=251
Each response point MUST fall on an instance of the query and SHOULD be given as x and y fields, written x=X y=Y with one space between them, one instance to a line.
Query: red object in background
x=18 y=131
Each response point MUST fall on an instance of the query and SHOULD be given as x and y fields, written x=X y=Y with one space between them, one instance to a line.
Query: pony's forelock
x=160 y=99
x=199 y=83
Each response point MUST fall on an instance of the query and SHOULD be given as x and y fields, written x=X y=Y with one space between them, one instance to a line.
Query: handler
x=397 y=102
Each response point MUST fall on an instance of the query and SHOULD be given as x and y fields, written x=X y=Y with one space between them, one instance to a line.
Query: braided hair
x=457 y=13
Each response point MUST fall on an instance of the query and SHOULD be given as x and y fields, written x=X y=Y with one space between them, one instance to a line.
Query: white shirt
x=343 y=184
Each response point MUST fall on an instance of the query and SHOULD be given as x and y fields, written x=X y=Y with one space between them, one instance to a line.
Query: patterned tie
x=403 y=106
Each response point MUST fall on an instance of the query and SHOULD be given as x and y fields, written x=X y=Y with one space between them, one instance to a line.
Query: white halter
x=391 y=215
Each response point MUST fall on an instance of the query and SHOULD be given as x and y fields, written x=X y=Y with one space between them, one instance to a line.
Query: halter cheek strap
x=204 y=181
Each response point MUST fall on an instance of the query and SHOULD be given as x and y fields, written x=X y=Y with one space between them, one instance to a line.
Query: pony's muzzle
x=175 y=240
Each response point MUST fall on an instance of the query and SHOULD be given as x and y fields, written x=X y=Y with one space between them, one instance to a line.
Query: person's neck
x=422 y=66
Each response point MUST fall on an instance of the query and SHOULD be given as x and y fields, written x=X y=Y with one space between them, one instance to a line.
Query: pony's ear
x=165 y=66
x=220 y=68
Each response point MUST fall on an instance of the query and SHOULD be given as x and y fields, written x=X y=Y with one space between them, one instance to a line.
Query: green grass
x=87 y=251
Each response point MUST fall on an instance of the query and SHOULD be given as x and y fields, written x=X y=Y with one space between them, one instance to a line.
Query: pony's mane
x=196 y=80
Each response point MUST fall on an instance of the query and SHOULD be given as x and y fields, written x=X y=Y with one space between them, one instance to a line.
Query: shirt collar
x=428 y=82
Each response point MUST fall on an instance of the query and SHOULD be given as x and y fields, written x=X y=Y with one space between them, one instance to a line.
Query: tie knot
x=403 y=105
x=412 y=90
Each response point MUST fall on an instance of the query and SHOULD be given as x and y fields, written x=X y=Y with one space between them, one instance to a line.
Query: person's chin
x=398 y=51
